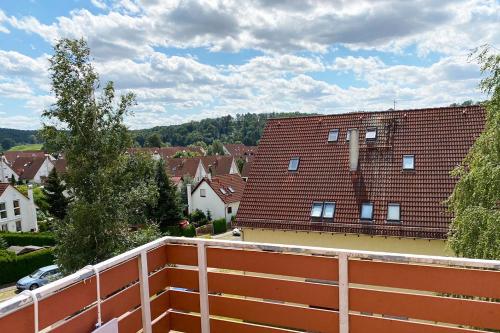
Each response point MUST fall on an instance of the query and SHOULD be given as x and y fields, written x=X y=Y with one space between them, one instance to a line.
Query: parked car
x=39 y=278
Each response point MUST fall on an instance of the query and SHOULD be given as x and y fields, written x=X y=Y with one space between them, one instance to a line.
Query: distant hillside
x=13 y=137
x=246 y=128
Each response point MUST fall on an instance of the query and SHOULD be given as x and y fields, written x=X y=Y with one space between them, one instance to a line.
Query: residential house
x=220 y=195
x=219 y=165
x=178 y=168
x=239 y=150
x=33 y=169
x=166 y=152
x=364 y=180
x=12 y=155
x=245 y=172
x=17 y=213
x=6 y=171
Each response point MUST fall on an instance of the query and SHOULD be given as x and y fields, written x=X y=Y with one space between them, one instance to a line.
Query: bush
x=13 y=267
x=198 y=218
x=3 y=244
x=173 y=230
x=29 y=238
x=190 y=231
x=220 y=226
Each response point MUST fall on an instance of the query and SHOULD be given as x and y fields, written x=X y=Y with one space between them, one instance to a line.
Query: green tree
x=167 y=211
x=475 y=201
x=154 y=140
x=94 y=139
x=216 y=148
x=54 y=193
x=12 y=180
x=8 y=143
x=185 y=154
x=38 y=196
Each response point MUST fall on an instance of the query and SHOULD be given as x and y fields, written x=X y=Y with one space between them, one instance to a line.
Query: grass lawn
x=35 y=146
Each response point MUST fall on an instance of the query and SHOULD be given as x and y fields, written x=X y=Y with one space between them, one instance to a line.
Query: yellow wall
x=349 y=241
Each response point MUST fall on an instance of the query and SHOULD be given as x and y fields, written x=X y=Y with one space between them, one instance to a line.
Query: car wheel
x=33 y=286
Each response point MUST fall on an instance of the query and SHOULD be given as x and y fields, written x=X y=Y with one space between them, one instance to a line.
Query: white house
x=6 y=171
x=220 y=195
x=33 y=169
x=17 y=213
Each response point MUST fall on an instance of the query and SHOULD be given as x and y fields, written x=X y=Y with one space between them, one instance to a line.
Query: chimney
x=209 y=173
x=33 y=206
x=354 y=150
x=188 y=193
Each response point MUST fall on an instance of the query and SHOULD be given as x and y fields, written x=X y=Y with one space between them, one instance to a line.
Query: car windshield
x=37 y=274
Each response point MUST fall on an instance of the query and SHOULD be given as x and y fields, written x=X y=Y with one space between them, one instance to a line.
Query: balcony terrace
x=198 y=285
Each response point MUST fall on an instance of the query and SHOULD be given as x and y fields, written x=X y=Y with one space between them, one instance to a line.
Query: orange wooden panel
x=459 y=281
x=314 y=294
x=281 y=315
x=183 y=322
x=131 y=323
x=307 y=266
x=119 y=276
x=182 y=278
x=160 y=305
x=66 y=302
x=158 y=281
x=20 y=321
x=185 y=301
x=157 y=258
x=433 y=308
x=182 y=254
x=362 y=324
x=120 y=303
x=83 y=322
x=162 y=325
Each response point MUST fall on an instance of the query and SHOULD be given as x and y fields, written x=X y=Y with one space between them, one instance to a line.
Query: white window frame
x=413 y=162
x=389 y=206
x=223 y=191
x=17 y=210
x=315 y=204
x=367 y=203
x=3 y=211
x=290 y=164
x=371 y=130
x=230 y=189
x=335 y=133
x=333 y=203
x=203 y=193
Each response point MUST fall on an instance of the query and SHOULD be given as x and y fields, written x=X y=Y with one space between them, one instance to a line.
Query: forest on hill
x=13 y=137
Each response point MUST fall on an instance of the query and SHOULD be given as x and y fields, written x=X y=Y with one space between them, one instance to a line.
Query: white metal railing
x=33 y=297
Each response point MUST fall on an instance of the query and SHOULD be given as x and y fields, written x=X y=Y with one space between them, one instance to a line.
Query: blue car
x=39 y=278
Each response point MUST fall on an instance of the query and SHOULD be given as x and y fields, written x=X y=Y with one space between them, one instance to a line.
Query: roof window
x=230 y=189
x=408 y=162
x=293 y=165
x=329 y=210
x=317 y=209
x=333 y=135
x=223 y=191
x=371 y=134
x=366 y=211
x=393 y=212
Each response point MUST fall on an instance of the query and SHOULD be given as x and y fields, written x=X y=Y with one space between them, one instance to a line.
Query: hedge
x=13 y=267
x=189 y=231
x=29 y=238
x=220 y=226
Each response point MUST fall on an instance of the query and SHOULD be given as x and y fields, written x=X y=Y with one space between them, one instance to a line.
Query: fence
x=198 y=285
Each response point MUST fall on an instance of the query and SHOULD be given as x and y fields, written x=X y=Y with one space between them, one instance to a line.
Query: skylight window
x=393 y=212
x=408 y=162
x=371 y=134
x=367 y=211
x=223 y=191
x=317 y=209
x=230 y=189
x=294 y=164
x=333 y=135
x=329 y=210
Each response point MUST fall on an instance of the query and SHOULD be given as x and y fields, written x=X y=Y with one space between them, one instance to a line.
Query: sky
x=189 y=60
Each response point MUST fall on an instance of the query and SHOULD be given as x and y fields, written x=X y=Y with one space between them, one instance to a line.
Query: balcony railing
x=198 y=285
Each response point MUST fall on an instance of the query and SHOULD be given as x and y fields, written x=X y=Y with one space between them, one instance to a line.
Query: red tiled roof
x=179 y=167
x=240 y=150
x=27 y=167
x=11 y=156
x=220 y=165
x=246 y=168
x=166 y=152
x=60 y=165
x=226 y=182
x=439 y=138
x=3 y=187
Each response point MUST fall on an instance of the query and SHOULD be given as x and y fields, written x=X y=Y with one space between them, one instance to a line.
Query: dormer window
x=371 y=134
x=317 y=209
x=333 y=135
x=366 y=211
x=408 y=162
x=294 y=164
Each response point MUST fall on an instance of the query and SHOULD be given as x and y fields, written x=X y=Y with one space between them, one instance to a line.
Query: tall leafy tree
x=475 y=230
x=54 y=194
x=167 y=210
x=216 y=148
x=87 y=123
x=154 y=140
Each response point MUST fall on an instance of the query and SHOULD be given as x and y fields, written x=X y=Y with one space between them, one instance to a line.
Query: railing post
x=32 y=293
x=203 y=286
x=98 y=292
x=144 y=288
x=343 y=293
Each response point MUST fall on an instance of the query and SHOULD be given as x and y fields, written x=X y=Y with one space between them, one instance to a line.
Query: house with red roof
x=6 y=171
x=363 y=180
x=17 y=213
x=166 y=152
x=33 y=169
x=239 y=150
x=220 y=195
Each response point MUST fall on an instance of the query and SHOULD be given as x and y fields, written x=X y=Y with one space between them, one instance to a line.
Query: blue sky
x=188 y=60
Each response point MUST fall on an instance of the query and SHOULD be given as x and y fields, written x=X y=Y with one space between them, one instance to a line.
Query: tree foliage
x=475 y=201
x=110 y=188
x=216 y=148
x=54 y=194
